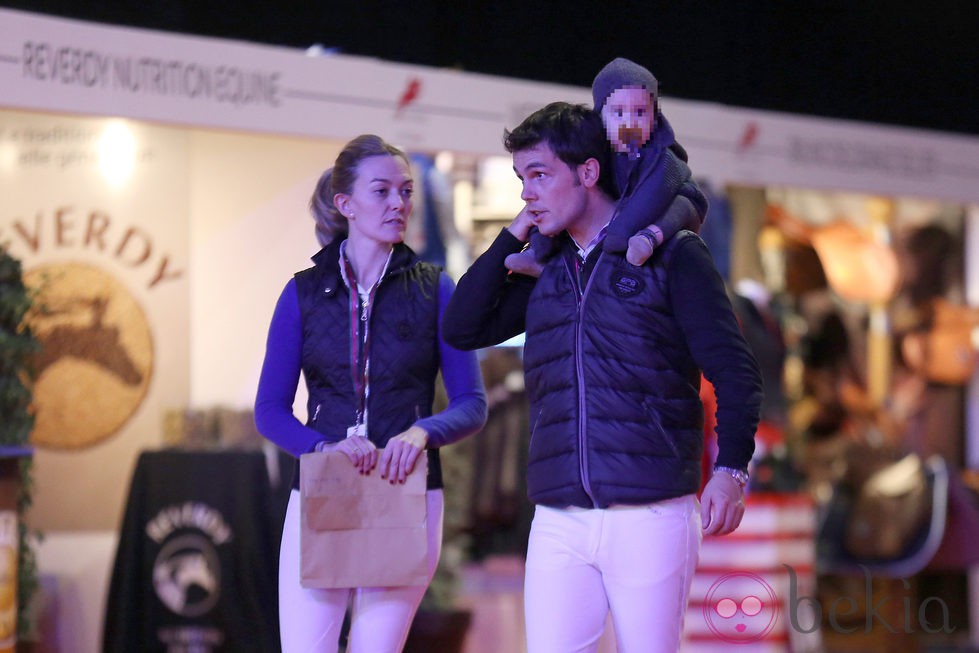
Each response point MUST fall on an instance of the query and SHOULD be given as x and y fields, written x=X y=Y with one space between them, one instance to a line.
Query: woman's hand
x=401 y=454
x=361 y=452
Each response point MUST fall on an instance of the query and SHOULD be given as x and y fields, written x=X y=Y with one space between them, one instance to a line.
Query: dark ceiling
x=909 y=63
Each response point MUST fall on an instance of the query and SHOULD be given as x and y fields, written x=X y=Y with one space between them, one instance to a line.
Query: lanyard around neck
x=360 y=311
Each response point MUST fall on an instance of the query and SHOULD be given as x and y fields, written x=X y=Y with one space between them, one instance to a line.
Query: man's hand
x=721 y=505
x=401 y=453
x=520 y=227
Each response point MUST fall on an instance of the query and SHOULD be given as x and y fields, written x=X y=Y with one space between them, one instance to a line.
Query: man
x=612 y=361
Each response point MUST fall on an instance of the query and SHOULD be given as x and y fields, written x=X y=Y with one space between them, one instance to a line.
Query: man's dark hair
x=574 y=133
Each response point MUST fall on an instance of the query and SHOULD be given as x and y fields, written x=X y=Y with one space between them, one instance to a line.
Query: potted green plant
x=17 y=346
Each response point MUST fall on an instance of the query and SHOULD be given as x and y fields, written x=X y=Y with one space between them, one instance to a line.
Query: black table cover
x=195 y=568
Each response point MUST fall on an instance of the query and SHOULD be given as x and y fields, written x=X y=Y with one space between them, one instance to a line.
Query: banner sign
x=54 y=64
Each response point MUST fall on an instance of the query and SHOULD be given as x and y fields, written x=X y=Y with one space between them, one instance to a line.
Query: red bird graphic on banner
x=411 y=93
x=748 y=137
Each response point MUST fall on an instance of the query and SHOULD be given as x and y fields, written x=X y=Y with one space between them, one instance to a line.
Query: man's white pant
x=310 y=619
x=635 y=561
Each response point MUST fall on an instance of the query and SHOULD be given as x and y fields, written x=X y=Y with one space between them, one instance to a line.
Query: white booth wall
x=221 y=185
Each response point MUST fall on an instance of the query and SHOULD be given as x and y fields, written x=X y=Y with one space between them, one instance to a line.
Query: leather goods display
x=858 y=267
x=891 y=506
x=948 y=351
x=886 y=516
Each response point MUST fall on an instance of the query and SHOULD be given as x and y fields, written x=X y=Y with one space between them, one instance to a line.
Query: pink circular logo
x=741 y=608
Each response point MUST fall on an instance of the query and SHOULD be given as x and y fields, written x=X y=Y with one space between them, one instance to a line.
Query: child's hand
x=520 y=227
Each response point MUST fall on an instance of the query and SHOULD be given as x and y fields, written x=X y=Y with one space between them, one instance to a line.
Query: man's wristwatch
x=740 y=476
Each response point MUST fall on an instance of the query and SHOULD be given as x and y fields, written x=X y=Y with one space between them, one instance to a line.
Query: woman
x=362 y=325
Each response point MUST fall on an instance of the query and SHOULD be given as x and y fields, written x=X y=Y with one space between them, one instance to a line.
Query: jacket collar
x=327 y=260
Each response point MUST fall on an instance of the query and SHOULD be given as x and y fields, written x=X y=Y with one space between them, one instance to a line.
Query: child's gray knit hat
x=618 y=73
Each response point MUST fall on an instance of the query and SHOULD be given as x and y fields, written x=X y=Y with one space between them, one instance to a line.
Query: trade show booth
x=155 y=188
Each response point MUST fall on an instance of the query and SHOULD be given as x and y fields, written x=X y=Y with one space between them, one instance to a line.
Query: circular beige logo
x=96 y=357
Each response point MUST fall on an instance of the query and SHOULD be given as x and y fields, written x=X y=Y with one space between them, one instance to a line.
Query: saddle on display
x=887 y=515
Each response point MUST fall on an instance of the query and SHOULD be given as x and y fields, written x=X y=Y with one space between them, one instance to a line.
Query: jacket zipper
x=366 y=313
x=580 y=296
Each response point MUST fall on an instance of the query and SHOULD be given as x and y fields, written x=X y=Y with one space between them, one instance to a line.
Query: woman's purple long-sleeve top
x=274 y=417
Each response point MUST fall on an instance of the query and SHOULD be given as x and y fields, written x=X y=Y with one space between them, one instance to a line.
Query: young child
x=657 y=195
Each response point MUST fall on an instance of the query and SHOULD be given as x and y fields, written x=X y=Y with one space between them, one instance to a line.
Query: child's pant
x=635 y=561
x=310 y=619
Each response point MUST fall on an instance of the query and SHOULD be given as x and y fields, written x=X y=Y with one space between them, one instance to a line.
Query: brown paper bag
x=361 y=531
